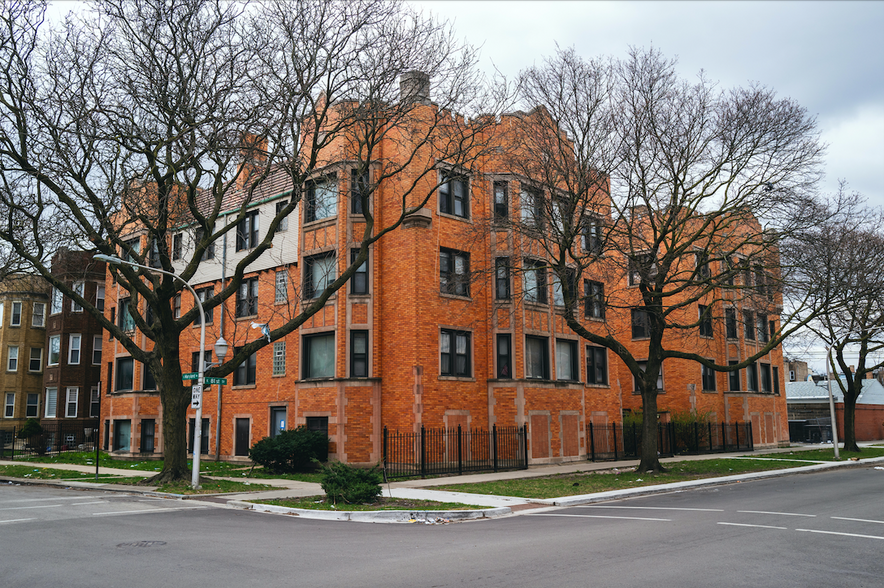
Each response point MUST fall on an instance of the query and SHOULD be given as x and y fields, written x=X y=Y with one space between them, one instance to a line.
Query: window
x=94 y=402
x=319 y=356
x=125 y=373
x=153 y=258
x=71 y=403
x=177 y=245
x=504 y=356
x=247 y=298
x=641 y=267
x=54 y=350
x=641 y=324
x=454 y=272
x=127 y=321
x=591 y=235
x=359 y=190
x=133 y=245
x=705 y=322
x=791 y=375
x=454 y=351
x=247 y=231
x=33 y=407
x=704 y=271
x=776 y=380
x=733 y=378
x=279 y=358
x=148 y=435
x=536 y=357
x=752 y=377
x=176 y=306
x=454 y=195
x=502 y=278
x=595 y=299
x=730 y=322
x=74 y=349
x=99 y=297
x=501 y=202
x=559 y=291
x=51 y=401
x=244 y=374
x=209 y=251
x=56 y=301
x=748 y=325
x=12 y=358
x=281 y=293
x=38 y=318
x=772 y=332
x=532 y=208
x=284 y=221
x=534 y=282
x=708 y=377
x=359 y=281
x=764 y=368
x=596 y=365
x=15 y=317
x=80 y=290
x=320 y=271
x=148 y=382
x=358 y=354
x=567 y=366
x=644 y=367
x=35 y=363
x=762 y=328
x=322 y=199
x=204 y=294
x=9 y=409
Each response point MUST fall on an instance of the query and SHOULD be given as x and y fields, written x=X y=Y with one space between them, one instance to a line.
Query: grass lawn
x=27 y=471
x=614 y=479
x=824 y=454
x=219 y=468
x=319 y=503
x=213 y=487
x=259 y=472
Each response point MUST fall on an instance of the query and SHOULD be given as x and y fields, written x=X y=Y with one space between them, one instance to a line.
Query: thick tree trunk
x=650 y=459
x=849 y=432
x=175 y=399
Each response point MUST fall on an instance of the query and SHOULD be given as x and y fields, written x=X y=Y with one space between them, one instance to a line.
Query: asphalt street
x=824 y=529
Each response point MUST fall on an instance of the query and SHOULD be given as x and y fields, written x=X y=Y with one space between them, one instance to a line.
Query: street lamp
x=220 y=351
x=831 y=401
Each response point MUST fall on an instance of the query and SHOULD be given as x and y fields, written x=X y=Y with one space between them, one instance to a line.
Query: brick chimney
x=414 y=86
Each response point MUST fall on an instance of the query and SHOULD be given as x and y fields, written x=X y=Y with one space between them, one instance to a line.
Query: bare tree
x=833 y=268
x=140 y=118
x=672 y=195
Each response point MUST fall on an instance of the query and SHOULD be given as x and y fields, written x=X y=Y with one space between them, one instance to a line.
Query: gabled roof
x=872 y=393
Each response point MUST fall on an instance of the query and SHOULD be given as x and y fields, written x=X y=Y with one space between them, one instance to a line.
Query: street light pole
x=831 y=401
x=198 y=424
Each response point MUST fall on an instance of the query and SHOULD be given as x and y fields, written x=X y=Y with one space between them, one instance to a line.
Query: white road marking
x=842 y=534
x=85 y=503
x=756 y=526
x=858 y=520
x=16 y=521
x=654 y=508
x=543 y=514
x=38 y=506
x=785 y=514
x=146 y=510
x=41 y=499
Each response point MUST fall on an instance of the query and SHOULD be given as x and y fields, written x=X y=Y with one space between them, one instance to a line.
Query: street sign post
x=196 y=396
x=190 y=376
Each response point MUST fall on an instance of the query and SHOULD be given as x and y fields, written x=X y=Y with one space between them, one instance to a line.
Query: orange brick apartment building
x=411 y=340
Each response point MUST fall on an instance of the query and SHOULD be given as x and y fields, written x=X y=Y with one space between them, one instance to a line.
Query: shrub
x=291 y=451
x=31 y=428
x=345 y=483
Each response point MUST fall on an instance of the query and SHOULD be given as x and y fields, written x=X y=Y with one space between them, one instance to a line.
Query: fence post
x=591 y=442
x=525 y=444
x=385 y=448
x=737 y=432
x=723 y=437
x=459 y=453
x=751 y=437
x=615 y=439
x=423 y=456
x=494 y=445
x=710 y=436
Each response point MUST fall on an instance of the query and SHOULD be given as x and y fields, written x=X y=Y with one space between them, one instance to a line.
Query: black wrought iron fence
x=619 y=441
x=57 y=437
x=454 y=451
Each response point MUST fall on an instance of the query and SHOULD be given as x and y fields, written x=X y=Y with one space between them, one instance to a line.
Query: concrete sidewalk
x=423 y=489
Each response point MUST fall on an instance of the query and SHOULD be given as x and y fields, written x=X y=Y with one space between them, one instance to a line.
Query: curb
x=429 y=517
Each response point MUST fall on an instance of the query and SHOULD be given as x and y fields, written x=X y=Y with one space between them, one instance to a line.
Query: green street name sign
x=216 y=380
x=190 y=376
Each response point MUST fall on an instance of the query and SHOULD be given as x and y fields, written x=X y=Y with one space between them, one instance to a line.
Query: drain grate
x=142 y=544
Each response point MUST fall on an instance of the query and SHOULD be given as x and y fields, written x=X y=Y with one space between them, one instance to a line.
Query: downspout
x=220 y=335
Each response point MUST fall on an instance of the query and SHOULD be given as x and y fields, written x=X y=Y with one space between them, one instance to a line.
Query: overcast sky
x=827 y=56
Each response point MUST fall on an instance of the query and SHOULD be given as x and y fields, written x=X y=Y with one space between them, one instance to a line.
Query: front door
x=277 y=421
x=242 y=437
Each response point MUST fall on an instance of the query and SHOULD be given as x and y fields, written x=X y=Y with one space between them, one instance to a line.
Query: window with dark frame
x=764 y=369
x=752 y=377
x=319 y=355
x=322 y=199
x=644 y=367
x=454 y=195
x=536 y=357
x=501 y=202
x=776 y=380
x=595 y=299
x=127 y=321
x=640 y=268
x=204 y=294
x=762 y=328
x=454 y=272
x=641 y=324
x=705 y=321
x=532 y=208
x=502 y=278
x=245 y=373
x=708 y=378
x=319 y=272
x=504 y=356
x=125 y=373
x=704 y=271
x=567 y=360
x=772 y=329
x=247 y=231
x=733 y=378
x=359 y=281
x=35 y=361
x=247 y=298
x=730 y=323
x=153 y=258
x=592 y=235
x=596 y=365
x=455 y=354
x=177 y=246
x=359 y=189
x=284 y=221
x=748 y=325
x=209 y=251
x=33 y=407
x=559 y=290
x=534 y=282
x=358 y=354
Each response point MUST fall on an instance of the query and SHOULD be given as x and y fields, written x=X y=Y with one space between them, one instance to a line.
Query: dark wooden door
x=242 y=437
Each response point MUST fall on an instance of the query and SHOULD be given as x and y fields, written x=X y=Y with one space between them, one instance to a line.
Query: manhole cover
x=142 y=544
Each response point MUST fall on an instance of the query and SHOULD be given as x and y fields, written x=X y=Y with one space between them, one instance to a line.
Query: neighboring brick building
x=23 y=308
x=435 y=331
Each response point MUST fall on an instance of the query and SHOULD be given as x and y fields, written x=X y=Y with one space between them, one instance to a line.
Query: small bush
x=345 y=483
x=291 y=451
x=31 y=428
